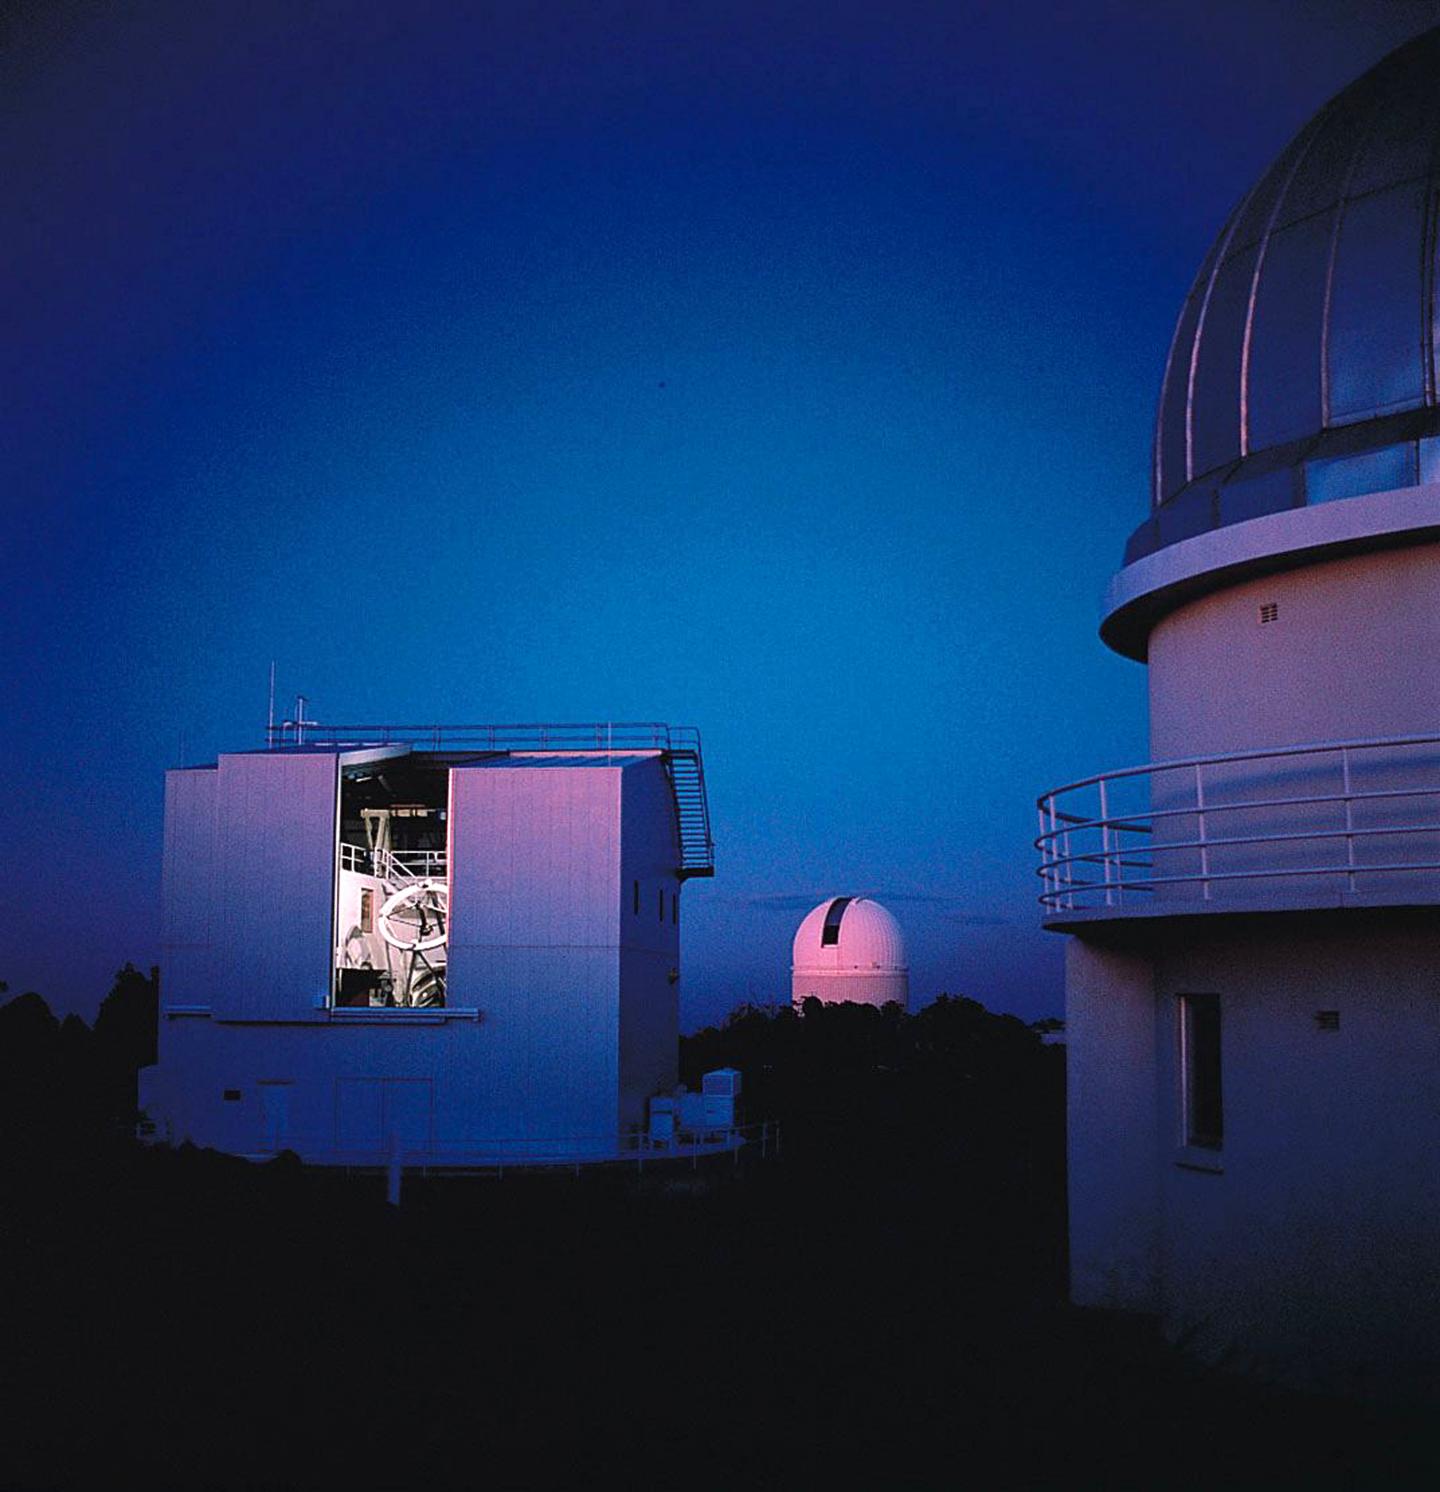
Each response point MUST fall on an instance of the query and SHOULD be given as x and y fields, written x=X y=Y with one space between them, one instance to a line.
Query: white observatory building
x=1253 y=968
x=455 y=942
x=850 y=948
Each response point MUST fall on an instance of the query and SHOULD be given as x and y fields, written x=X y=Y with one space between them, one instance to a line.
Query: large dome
x=847 y=934
x=850 y=949
x=1303 y=367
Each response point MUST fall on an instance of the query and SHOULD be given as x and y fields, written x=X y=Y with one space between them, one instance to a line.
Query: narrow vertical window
x=830 y=931
x=1200 y=1070
x=636 y=897
x=662 y=903
x=675 y=908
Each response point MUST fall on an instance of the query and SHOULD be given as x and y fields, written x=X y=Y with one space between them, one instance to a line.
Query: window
x=635 y=897
x=662 y=903
x=675 y=908
x=1200 y=1071
x=830 y=932
x=367 y=911
x=1336 y=477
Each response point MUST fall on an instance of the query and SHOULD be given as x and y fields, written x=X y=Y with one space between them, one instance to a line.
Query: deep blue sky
x=782 y=370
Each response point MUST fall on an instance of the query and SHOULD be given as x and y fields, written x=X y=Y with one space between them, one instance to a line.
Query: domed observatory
x=1252 y=994
x=850 y=948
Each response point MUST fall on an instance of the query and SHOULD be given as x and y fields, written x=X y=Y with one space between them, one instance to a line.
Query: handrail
x=1309 y=748
x=678 y=745
x=523 y=1150
x=1089 y=830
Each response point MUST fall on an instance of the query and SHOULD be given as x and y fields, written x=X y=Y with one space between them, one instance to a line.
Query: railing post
x=1047 y=880
x=1349 y=819
x=1055 y=853
x=1200 y=835
x=1105 y=843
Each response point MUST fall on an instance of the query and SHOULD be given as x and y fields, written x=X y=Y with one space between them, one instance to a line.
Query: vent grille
x=1327 y=1020
x=1269 y=612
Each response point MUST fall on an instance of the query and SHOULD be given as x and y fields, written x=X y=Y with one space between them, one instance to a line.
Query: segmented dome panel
x=1303 y=366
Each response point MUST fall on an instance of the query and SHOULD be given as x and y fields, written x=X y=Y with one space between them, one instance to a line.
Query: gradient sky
x=783 y=370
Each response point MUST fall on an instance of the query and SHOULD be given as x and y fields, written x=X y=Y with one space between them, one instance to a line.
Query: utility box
x=692 y=1113
x=662 y=1120
x=719 y=1092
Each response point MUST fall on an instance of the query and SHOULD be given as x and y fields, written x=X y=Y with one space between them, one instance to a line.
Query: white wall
x=856 y=986
x=1352 y=653
x=534 y=933
x=273 y=886
x=1113 y=1127
x=1311 y=1255
x=649 y=1035
x=187 y=885
x=1304 y=1249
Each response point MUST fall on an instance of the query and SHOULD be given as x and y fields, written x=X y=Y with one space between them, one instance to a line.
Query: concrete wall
x=273 y=884
x=187 y=885
x=534 y=929
x=1113 y=1127
x=1352 y=653
x=315 y=1087
x=860 y=987
x=649 y=939
x=1310 y=1255
x=1302 y=1250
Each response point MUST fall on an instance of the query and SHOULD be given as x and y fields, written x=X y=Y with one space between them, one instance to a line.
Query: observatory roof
x=1303 y=366
x=849 y=934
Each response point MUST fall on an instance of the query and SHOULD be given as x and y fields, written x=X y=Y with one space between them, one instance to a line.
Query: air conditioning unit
x=662 y=1120
x=719 y=1091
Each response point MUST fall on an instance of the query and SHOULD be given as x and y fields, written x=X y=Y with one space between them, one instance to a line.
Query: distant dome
x=1303 y=367
x=850 y=948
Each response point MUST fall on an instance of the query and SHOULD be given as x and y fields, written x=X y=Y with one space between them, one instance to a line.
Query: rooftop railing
x=678 y=745
x=1323 y=823
x=616 y=735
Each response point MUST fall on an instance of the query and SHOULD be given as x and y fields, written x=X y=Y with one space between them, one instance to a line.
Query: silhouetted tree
x=125 y=1037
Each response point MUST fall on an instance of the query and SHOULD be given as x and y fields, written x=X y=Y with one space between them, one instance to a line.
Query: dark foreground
x=883 y=1306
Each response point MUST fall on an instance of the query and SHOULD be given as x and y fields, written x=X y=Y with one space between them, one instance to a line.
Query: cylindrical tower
x=1253 y=1032
x=850 y=948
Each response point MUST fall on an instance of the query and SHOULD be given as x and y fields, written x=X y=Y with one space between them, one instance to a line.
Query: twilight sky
x=783 y=370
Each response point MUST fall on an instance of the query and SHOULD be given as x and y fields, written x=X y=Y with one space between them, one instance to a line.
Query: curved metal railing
x=1285 y=823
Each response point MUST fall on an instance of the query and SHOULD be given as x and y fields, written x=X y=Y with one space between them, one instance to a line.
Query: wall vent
x=1327 y=1020
x=1269 y=611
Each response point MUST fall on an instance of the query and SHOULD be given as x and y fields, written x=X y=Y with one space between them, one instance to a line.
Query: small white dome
x=849 y=935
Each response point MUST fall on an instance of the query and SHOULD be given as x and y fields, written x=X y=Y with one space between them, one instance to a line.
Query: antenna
x=270 y=718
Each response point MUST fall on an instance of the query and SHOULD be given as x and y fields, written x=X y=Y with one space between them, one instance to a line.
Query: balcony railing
x=1325 y=823
x=399 y=867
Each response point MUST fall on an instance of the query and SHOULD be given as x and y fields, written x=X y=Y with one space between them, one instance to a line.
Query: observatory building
x=850 y=948
x=1253 y=971
x=453 y=942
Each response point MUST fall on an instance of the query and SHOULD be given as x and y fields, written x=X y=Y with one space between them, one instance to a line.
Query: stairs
x=692 y=812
